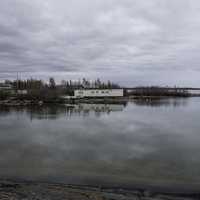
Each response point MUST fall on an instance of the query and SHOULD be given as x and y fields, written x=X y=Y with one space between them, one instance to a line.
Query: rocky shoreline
x=20 y=102
x=46 y=191
x=122 y=100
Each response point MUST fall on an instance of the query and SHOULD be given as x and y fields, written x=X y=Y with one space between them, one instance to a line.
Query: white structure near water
x=98 y=93
x=5 y=86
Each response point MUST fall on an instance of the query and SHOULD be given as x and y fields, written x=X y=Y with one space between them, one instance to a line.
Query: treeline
x=158 y=91
x=68 y=84
x=51 y=91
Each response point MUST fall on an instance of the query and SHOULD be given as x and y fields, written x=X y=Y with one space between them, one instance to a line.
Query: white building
x=98 y=93
x=22 y=92
x=5 y=86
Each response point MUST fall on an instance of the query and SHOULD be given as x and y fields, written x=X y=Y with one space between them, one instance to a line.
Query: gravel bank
x=44 y=191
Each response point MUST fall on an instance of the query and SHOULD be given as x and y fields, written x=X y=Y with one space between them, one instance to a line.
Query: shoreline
x=18 y=190
x=122 y=100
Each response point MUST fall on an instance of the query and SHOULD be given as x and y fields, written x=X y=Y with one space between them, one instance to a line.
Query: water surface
x=149 y=142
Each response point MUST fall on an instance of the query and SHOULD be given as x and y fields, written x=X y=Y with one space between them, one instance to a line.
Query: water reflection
x=129 y=144
x=165 y=102
x=58 y=111
x=85 y=109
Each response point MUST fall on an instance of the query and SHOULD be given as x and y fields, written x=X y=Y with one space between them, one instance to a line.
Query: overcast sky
x=134 y=42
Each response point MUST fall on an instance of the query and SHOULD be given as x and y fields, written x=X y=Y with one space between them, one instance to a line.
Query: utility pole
x=17 y=81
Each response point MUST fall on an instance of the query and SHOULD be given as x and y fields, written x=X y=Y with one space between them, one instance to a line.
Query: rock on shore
x=44 y=191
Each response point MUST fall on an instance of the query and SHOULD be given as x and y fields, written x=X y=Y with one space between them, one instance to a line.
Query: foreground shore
x=44 y=191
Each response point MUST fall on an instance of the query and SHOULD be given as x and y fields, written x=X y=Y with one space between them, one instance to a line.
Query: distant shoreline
x=121 y=100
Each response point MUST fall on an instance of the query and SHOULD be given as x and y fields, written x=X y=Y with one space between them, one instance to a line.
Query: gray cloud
x=130 y=41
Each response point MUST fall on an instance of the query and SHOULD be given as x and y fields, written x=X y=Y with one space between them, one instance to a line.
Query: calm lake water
x=141 y=142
